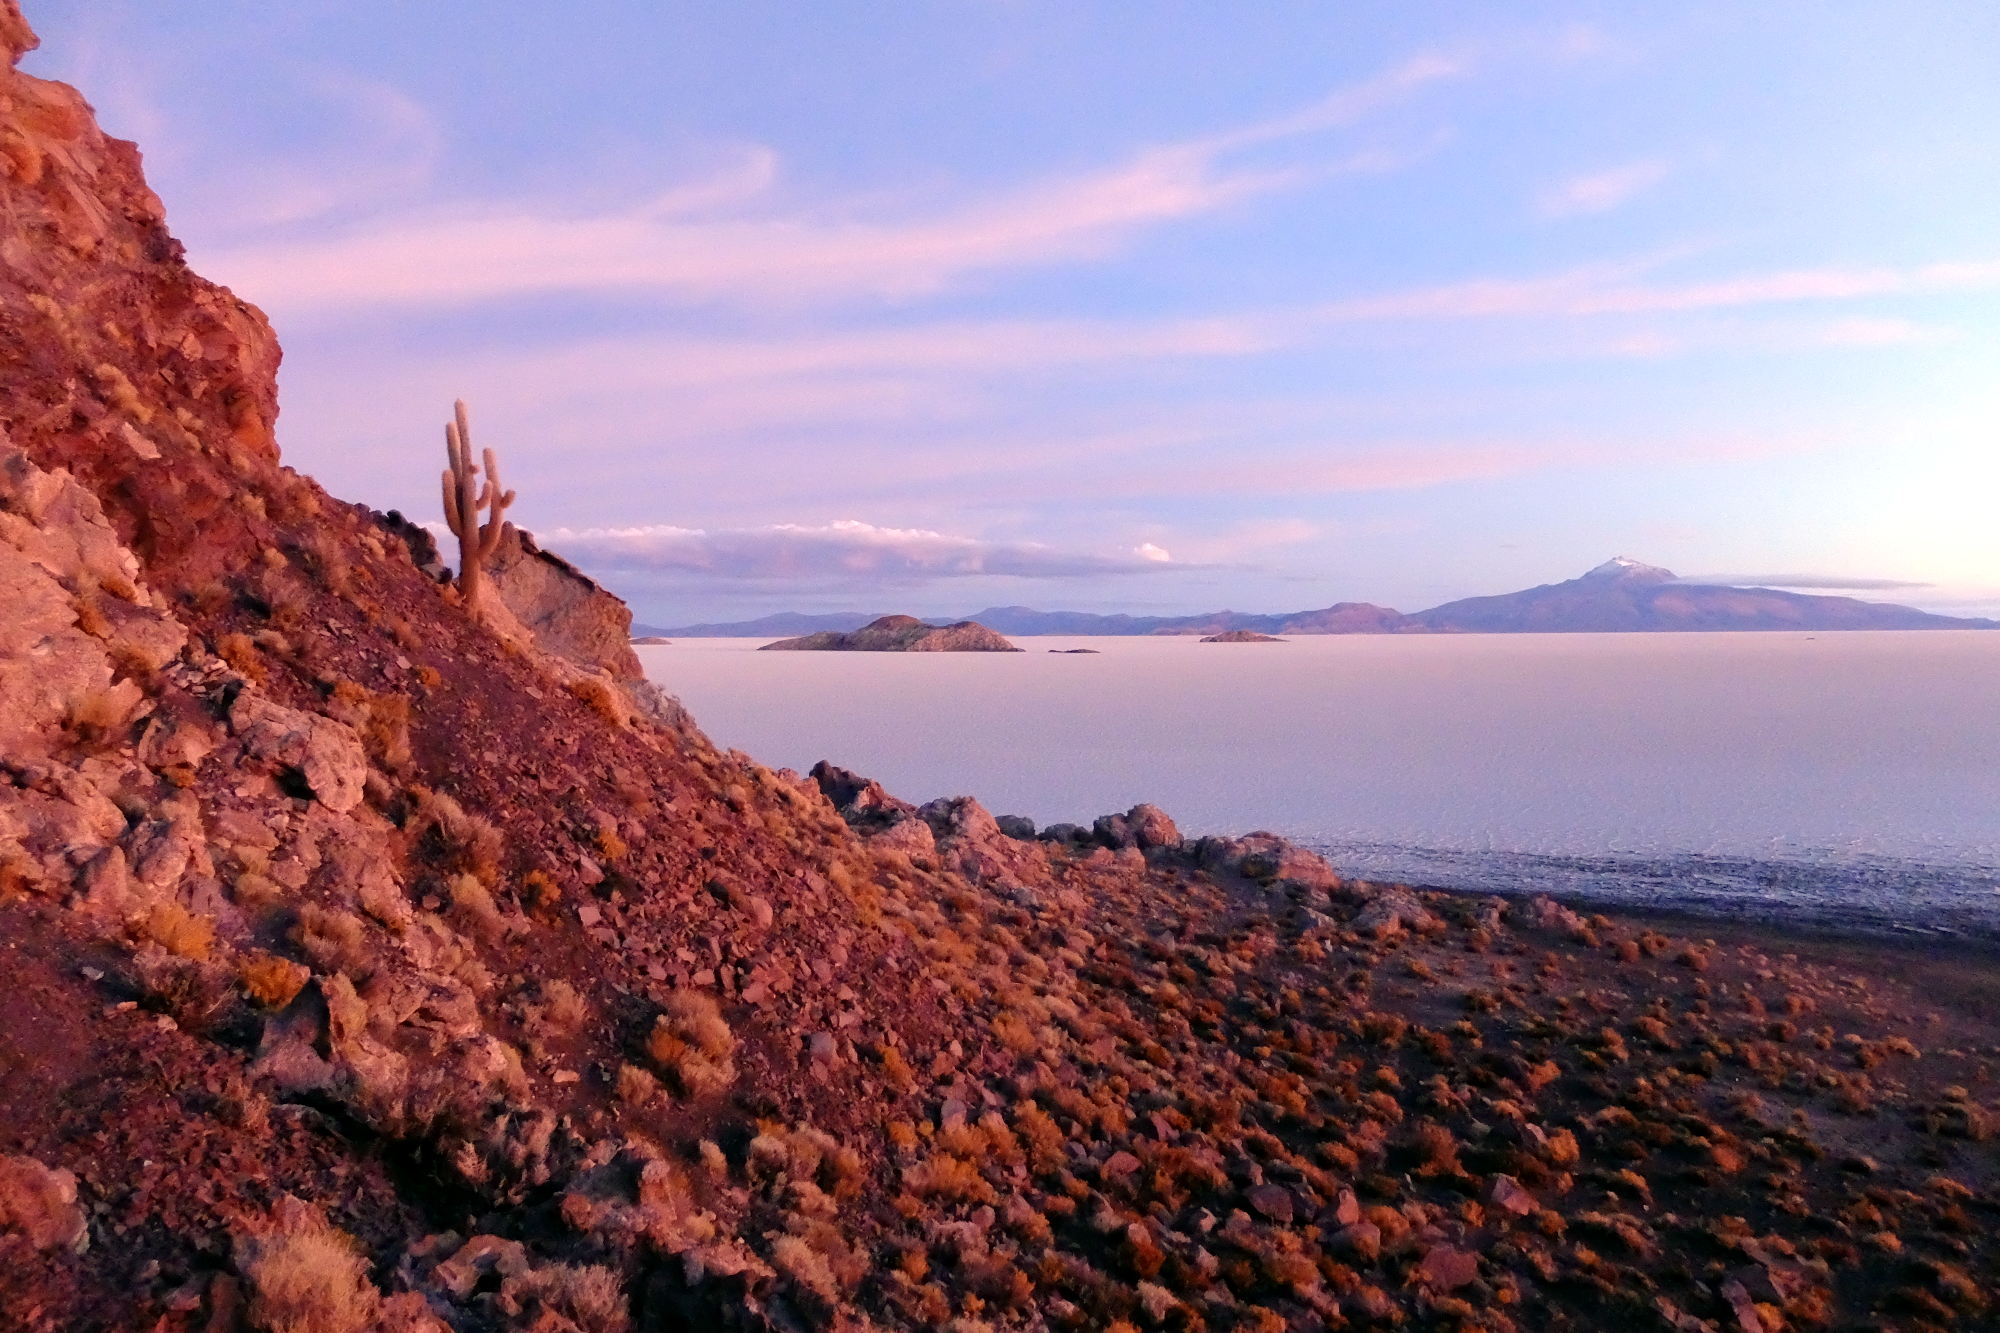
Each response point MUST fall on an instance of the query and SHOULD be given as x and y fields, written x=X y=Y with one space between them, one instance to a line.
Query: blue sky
x=1175 y=306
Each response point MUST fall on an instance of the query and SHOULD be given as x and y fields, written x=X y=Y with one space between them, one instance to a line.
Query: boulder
x=1267 y=859
x=1391 y=911
x=38 y=1203
x=564 y=608
x=961 y=818
x=323 y=755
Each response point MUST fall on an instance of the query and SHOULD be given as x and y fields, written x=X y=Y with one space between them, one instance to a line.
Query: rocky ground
x=366 y=964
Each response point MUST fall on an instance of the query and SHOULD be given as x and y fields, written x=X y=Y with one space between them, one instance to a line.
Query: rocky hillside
x=900 y=634
x=366 y=967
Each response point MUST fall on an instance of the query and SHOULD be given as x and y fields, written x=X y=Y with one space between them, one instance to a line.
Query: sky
x=1169 y=307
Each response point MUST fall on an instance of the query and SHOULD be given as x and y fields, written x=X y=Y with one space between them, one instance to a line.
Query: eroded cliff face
x=566 y=610
x=363 y=967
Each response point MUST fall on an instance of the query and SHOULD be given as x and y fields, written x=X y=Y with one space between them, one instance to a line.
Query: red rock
x=1745 y=1309
x=1447 y=1268
x=1363 y=1240
x=1507 y=1195
x=1273 y=1202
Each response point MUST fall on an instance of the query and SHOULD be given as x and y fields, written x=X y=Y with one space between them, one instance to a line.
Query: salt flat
x=1855 y=773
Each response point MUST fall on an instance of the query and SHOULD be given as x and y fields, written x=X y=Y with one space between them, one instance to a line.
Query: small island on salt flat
x=900 y=634
x=1242 y=636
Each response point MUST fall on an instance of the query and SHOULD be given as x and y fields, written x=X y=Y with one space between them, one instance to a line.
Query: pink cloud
x=470 y=254
x=846 y=550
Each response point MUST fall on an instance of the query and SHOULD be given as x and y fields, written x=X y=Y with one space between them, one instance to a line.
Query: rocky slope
x=365 y=969
x=900 y=634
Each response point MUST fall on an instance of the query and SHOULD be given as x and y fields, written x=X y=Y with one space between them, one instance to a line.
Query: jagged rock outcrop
x=566 y=610
x=1241 y=636
x=900 y=634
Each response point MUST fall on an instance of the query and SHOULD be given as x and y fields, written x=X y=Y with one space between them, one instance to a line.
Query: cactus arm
x=466 y=495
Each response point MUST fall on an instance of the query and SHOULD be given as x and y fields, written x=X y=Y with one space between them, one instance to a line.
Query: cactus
x=465 y=495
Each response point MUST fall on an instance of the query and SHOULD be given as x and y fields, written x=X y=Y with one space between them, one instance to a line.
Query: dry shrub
x=691 y=1044
x=102 y=716
x=468 y=843
x=947 y=1177
x=1016 y=1035
x=580 y=1297
x=472 y=907
x=306 y=1277
x=271 y=981
x=540 y=892
x=561 y=1009
x=257 y=892
x=335 y=940
x=189 y=992
x=602 y=698
x=636 y=1087
x=609 y=842
x=896 y=1069
x=240 y=652
x=807 y=1268
x=177 y=930
x=382 y=721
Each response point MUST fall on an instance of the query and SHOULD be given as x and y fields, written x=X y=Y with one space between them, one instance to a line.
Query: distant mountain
x=1623 y=595
x=1620 y=595
x=1341 y=618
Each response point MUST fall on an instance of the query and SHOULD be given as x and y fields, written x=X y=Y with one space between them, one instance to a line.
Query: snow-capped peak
x=1624 y=566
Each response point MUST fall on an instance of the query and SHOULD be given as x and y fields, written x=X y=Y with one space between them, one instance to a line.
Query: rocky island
x=1241 y=636
x=374 y=960
x=900 y=634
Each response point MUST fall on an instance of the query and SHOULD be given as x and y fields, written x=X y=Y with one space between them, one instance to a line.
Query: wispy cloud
x=1612 y=290
x=846 y=551
x=1602 y=191
x=670 y=247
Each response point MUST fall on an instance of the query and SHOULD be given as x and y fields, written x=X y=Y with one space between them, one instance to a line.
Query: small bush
x=467 y=842
x=602 y=698
x=240 y=652
x=692 y=1044
x=472 y=906
x=636 y=1087
x=102 y=717
x=580 y=1297
x=177 y=930
x=561 y=1009
x=306 y=1277
x=335 y=940
x=271 y=981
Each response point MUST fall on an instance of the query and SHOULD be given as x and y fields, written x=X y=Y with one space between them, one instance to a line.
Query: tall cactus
x=465 y=495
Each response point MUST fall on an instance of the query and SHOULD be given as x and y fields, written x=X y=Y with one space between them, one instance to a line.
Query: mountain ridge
x=1622 y=595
